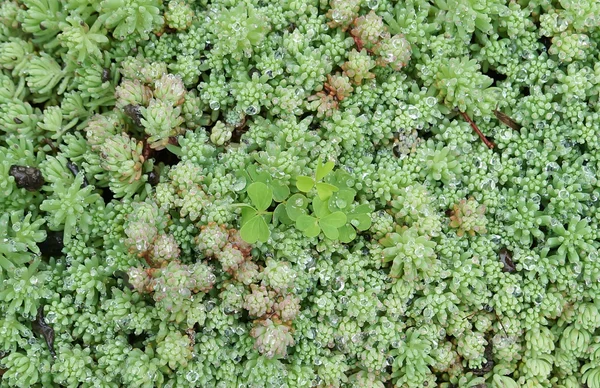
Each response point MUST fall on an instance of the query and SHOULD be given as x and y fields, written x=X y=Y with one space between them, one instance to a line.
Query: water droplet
x=431 y=101
x=251 y=110
x=239 y=184
x=413 y=112
x=340 y=203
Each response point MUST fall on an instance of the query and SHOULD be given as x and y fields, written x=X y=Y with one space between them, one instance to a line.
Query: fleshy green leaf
x=304 y=183
x=255 y=229
x=261 y=195
x=323 y=169
x=174 y=149
x=6 y=264
x=324 y=190
x=296 y=206
x=242 y=181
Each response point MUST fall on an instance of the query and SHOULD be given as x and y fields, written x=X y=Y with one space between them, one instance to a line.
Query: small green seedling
x=324 y=190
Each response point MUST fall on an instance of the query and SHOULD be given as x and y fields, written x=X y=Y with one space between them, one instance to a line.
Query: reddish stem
x=488 y=143
x=358 y=43
x=147 y=151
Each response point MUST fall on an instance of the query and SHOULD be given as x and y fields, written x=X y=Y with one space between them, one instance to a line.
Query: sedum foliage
x=292 y=193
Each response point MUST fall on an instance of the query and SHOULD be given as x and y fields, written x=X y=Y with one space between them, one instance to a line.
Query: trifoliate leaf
x=255 y=229
x=342 y=199
x=330 y=224
x=281 y=215
x=304 y=183
x=308 y=225
x=296 y=206
x=340 y=179
x=323 y=169
x=320 y=207
x=347 y=233
x=261 y=195
x=360 y=217
x=335 y=220
x=330 y=232
x=360 y=221
x=324 y=190
x=252 y=173
x=280 y=192
x=247 y=213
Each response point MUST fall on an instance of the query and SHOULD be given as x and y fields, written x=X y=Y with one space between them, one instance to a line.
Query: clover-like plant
x=255 y=218
x=358 y=216
x=330 y=210
x=323 y=220
x=294 y=207
x=252 y=174
x=324 y=190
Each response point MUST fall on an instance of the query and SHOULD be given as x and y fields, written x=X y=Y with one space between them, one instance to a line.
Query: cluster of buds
x=370 y=33
x=275 y=307
x=224 y=245
x=334 y=90
x=468 y=217
x=119 y=155
x=154 y=103
x=272 y=337
x=371 y=38
x=266 y=293
x=174 y=285
x=145 y=235
x=342 y=13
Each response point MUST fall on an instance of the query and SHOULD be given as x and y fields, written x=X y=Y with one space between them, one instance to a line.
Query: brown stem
x=503 y=118
x=488 y=143
x=52 y=146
